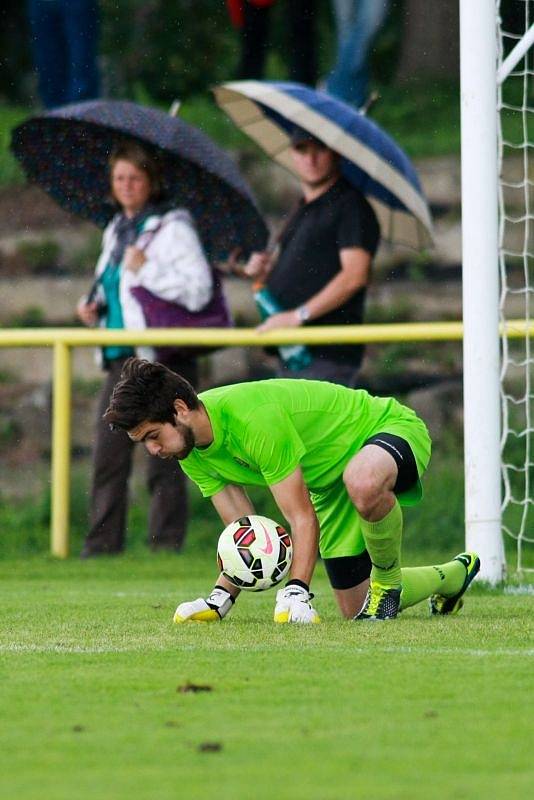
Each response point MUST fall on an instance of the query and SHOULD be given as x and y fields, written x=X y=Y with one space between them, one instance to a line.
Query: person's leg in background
x=167 y=484
x=81 y=26
x=303 y=45
x=349 y=79
x=343 y=13
x=169 y=507
x=112 y=459
x=254 y=41
x=49 y=51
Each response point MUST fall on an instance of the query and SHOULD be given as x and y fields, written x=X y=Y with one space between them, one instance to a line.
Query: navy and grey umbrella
x=370 y=159
x=66 y=152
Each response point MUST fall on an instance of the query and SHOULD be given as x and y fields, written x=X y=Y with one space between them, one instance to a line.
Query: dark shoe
x=452 y=605
x=89 y=552
x=380 y=604
x=169 y=547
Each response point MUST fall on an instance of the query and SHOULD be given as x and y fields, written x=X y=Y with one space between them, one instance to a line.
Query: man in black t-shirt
x=322 y=269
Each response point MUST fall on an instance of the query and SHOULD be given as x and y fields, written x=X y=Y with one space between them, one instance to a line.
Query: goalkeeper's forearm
x=305 y=535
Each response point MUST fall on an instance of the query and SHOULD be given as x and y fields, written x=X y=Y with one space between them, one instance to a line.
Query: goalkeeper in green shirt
x=339 y=463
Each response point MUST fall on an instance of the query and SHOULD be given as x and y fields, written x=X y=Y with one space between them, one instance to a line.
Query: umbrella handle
x=92 y=291
x=373 y=98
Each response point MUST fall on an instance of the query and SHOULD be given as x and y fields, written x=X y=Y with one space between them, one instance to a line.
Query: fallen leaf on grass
x=210 y=747
x=193 y=687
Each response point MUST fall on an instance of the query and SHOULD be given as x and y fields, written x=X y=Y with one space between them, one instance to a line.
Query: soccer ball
x=254 y=553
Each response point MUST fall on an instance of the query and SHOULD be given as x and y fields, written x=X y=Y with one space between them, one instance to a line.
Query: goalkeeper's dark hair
x=146 y=393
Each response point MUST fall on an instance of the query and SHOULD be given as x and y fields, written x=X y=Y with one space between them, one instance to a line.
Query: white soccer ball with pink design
x=254 y=553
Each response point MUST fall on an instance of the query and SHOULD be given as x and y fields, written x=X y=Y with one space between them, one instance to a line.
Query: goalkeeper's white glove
x=212 y=609
x=293 y=605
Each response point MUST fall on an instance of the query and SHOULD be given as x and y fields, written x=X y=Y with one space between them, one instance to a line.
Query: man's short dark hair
x=146 y=393
x=298 y=135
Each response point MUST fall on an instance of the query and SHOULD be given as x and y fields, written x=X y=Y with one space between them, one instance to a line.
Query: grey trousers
x=323 y=370
x=112 y=463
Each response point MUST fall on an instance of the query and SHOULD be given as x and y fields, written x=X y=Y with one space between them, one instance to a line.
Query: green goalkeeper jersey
x=264 y=430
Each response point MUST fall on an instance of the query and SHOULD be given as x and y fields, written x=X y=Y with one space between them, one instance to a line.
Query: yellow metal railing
x=63 y=339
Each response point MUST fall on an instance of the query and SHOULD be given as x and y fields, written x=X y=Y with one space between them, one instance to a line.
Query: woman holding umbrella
x=154 y=269
x=147 y=246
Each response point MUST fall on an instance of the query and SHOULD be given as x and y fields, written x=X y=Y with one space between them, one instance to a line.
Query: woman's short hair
x=142 y=159
x=146 y=393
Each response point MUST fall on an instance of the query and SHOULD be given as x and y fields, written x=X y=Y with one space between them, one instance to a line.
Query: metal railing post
x=61 y=423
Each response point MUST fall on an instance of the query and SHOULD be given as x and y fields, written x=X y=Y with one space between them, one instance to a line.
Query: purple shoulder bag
x=161 y=313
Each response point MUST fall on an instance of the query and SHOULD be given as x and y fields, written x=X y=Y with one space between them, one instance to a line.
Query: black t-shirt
x=310 y=257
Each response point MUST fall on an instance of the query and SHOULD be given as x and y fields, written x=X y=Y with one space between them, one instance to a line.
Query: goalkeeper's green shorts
x=339 y=522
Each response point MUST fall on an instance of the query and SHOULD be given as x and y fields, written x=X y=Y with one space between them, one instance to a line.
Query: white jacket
x=176 y=268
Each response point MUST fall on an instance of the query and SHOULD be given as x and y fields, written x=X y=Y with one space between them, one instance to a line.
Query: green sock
x=383 y=542
x=418 y=583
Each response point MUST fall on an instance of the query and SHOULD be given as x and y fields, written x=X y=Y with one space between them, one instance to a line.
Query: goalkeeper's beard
x=188 y=438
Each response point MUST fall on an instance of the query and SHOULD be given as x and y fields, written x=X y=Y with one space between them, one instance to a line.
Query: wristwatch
x=303 y=313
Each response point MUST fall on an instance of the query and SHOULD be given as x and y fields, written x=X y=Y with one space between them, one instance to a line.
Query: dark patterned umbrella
x=66 y=152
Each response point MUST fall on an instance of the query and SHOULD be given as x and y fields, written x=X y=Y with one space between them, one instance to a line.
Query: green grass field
x=93 y=702
x=92 y=667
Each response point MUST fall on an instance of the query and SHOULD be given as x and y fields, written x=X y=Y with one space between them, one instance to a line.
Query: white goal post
x=498 y=424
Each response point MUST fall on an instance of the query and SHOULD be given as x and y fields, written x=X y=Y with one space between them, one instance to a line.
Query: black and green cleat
x=452 y=605
x=380 y=604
